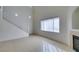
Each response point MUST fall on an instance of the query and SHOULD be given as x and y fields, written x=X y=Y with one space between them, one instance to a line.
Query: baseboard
x=51 y=39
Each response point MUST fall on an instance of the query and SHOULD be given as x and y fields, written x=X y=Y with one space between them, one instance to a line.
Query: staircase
x=9 y=30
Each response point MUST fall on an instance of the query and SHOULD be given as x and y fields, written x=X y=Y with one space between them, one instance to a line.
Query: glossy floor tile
x=33 y=44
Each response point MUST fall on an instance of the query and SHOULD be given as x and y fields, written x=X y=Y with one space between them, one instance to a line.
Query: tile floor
x=33 y=44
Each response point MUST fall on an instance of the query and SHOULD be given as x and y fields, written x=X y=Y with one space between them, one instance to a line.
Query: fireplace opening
x=76 y=43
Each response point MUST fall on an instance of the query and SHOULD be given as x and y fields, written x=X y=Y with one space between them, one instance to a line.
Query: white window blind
x=50 y=25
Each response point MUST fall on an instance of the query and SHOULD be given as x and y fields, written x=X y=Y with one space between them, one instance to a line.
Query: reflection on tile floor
x=32 y=44
x=47 y=47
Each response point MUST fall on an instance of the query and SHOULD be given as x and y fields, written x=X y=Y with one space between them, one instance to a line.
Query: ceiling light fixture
x=29 y=17
x=16 y=14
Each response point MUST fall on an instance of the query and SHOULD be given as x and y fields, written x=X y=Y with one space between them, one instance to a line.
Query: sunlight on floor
x=47 y=47
x=32 y=44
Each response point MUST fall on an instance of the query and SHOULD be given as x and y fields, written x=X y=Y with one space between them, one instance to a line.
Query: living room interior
x=39 y=29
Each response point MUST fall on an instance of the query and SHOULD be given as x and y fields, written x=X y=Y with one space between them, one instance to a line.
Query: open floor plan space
x=39 y=29
x=33 y=43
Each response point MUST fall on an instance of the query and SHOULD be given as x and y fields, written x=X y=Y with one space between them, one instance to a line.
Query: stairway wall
x=20 y=16
x=9 y=31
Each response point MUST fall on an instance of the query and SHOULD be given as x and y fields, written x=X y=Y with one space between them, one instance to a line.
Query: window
x=50 y=25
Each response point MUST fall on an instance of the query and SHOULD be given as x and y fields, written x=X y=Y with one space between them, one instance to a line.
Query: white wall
x=22 y=20
x=0 y=13
x=46 y=12
x=71 y=10
x=75 y=19
x=0 y=19
x=9 y=31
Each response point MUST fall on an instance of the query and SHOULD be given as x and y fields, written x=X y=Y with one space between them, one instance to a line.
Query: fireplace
x=76 y=43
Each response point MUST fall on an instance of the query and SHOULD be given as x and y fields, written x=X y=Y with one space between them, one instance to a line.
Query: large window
x=50 y=25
